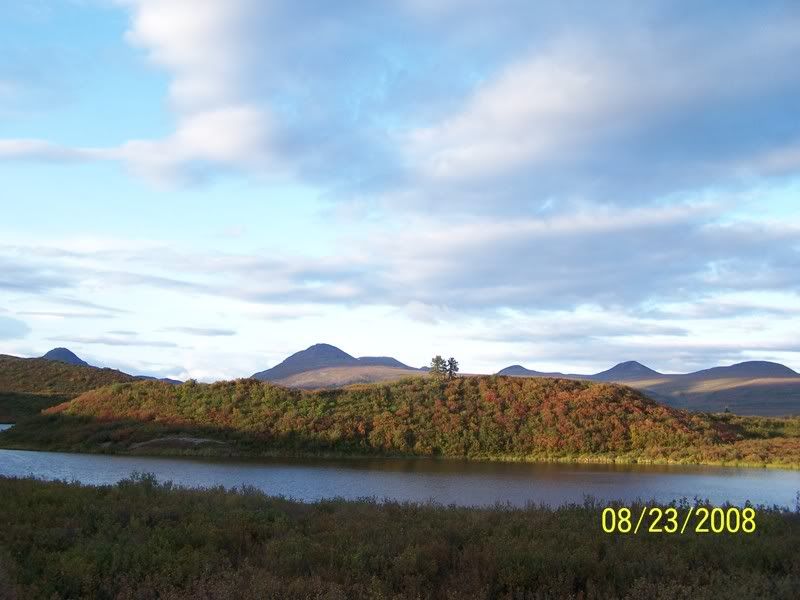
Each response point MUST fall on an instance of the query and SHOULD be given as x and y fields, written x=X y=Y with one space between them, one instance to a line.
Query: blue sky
x=197 y=189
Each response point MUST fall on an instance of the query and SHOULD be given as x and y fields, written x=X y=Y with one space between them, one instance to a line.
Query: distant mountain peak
x=321 y=356
x=633 y=365
x=316 y=356
x=518 y=370
x=630 y=369
x=65 y=355
x=323 y=347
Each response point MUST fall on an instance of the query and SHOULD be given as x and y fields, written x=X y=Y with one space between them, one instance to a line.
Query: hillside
x=749 y=369
x=27 y=385
x=319 y=363
x=475 y=417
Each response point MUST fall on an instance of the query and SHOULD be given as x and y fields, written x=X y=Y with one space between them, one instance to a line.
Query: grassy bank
x=139 y=539
x=486 y=418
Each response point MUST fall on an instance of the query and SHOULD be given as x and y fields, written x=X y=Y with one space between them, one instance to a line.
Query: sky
x=198 y=188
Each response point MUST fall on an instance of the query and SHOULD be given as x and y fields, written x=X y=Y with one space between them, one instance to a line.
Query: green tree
x=452 y=367
x=438 y=367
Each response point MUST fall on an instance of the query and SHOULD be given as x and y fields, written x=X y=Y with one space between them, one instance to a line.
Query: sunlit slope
x=29 y=384
x=331 y=377
x=476 y=417
x=773 y=396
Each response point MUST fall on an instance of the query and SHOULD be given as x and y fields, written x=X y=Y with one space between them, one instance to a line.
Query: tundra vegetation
x=27 y=385
x=142 y=539
x=487 y=417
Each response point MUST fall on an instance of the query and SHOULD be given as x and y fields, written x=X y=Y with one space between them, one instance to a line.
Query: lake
x=443 y=481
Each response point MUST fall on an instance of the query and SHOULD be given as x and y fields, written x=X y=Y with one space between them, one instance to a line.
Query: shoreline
x=576 y=460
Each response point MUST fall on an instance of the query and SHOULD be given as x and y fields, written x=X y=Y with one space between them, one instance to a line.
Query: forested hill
x=29 y=384
x=477 y=417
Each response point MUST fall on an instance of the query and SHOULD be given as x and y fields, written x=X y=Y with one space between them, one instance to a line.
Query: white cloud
x=570 y=100
x=232 y=136
x=204 y=46
x=12 y=149
x=284 y=89
x=532 y=111
x=199 y=43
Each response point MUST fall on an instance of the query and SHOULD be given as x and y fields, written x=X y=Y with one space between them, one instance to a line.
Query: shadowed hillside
x=475 y=417
x=27 y=385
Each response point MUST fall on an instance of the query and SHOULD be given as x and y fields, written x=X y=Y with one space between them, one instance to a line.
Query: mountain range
x=752 y=387
x=632 y=370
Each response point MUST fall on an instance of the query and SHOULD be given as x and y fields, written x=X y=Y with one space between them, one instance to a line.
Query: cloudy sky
x=201 y=187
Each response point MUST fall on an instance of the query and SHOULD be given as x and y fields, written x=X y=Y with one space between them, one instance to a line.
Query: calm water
x=446 y=482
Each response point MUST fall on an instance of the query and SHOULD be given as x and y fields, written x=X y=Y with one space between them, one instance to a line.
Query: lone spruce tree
x=452 y=367
x=438 y=368
x=443 y=369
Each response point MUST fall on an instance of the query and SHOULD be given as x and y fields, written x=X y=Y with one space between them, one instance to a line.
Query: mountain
x=164 y=379
x=752 y=368
x=381 y=361
x=66 y=356
x=520 y=371
x=625 y=371
x=313 y=357
x=301 y=368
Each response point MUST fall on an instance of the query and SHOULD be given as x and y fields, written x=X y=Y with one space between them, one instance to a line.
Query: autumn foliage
x=28 y=385
x=476 y=417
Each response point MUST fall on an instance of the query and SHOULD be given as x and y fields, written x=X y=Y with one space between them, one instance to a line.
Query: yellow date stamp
x=671 y=520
